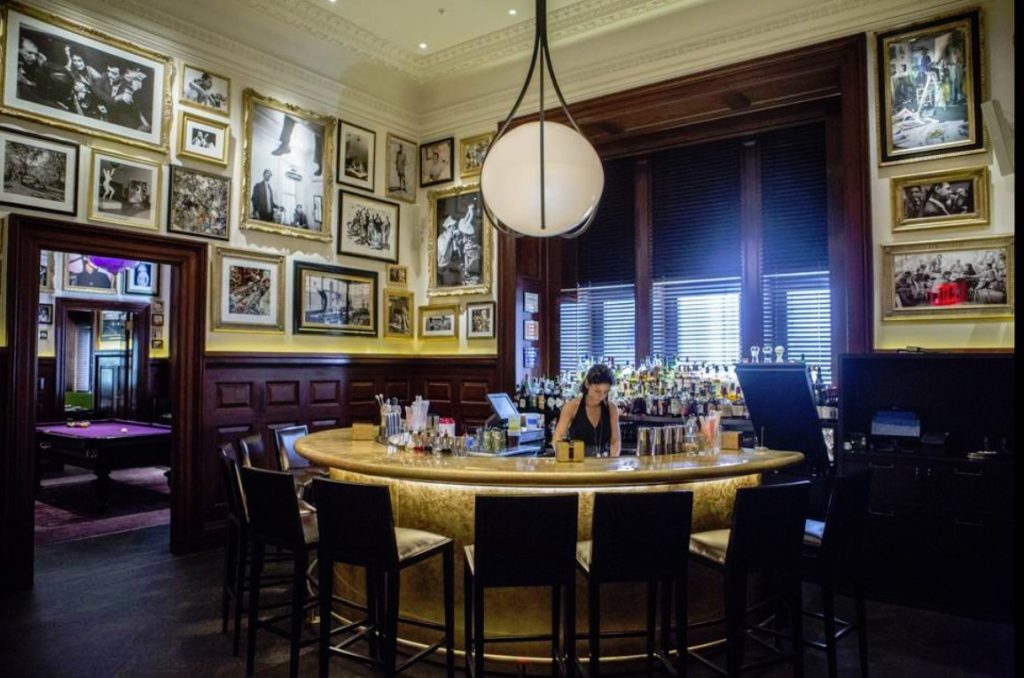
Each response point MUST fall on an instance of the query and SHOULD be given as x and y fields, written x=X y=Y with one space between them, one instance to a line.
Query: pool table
x=104 y=446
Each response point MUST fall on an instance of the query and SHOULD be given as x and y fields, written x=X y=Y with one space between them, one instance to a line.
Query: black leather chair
x=640 y=537
x=290 y=461
x=523 y=541
x=765 y=539
x=254 y=453
x=833 y=552
x=357 y=528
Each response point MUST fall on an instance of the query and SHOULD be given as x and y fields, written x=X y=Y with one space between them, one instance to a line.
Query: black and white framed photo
x=334 y=300
x=357 y=149
x=45 y=314
x=202 y=139
x=203 y=89
x=143 y=279
x=158 y=344
x=939 y=199
x=124 y=190
x=436 y=159
x=247 y=291
x=199 y=203
x=110 y=329
x=480 y=320
x=39 y=173
x=82 y=275
x=46 y=271
x=157 y=320
x=399 y=314
x=63 y=74
x=439 y=321
x=400 y=169
x=367 y=227
x=459 y=243
x=287 y=162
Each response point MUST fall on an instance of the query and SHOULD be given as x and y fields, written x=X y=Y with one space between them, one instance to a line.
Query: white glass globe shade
x=573 y=179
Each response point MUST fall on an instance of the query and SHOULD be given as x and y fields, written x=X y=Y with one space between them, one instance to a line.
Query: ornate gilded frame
x=223 y=128
x=185 y=101
x=468 y=170
x=487 y=238
x=220 y=324
x=390 y=294
x=979 y=216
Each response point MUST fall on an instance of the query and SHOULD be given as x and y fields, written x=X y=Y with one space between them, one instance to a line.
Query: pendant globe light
x=541 y=178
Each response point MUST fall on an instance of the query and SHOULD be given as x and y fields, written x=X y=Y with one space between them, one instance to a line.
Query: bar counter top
x=336 y=449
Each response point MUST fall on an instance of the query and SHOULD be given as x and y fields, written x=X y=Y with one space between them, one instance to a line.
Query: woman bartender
x=591 y=418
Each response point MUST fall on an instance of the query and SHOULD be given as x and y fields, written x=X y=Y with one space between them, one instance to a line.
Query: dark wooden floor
x=121 y=605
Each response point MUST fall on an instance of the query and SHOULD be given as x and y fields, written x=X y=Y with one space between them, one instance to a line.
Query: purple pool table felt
x=105 y=429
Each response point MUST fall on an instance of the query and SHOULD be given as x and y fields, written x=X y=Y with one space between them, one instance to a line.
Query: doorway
x=187 y=263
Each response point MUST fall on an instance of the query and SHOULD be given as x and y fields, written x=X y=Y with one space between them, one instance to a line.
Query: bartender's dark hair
x=598 y=374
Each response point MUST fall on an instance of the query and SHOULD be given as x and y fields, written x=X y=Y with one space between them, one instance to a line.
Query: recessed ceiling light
x=512 y=12
x=423 y=45
x=332 y=1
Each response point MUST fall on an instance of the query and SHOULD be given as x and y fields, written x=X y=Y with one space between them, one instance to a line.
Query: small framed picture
x=46 y=271
x=334 y=300
x=199 y=204
x=439 y=321
x=82 y=275
x=124 y=190
x=480 y=320
x=400 y=314
x=531 y=330
x=143 y=279
x=367 y=227
x=157 y=333
x=398 y=275
x=471 y=154
x=202 y=139
x=157 y=319
x=436 y=162
x=45 y=314
x=156 y=343
x=247 y=291
x=44 y=335
x=939 y=199
x=531 y=302
x=110 y=328
x=357 y=148
x=206 y=90
x=39 y=173
x=400 y=169
x=156 y=305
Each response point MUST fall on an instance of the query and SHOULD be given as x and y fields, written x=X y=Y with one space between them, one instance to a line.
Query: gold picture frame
x=276 y=124
x=94 y=281
x=203 y=139
x=138 y=116
x=235 y=277
x=446 y=321
x=397 y=274
x=940 y=199
x=124 y=190
x=460 y=243
x=471 y=154
x=962 y=279
x=399 y=314
x=203 y=89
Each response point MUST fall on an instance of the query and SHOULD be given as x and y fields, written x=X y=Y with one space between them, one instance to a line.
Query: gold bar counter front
x=437 y=493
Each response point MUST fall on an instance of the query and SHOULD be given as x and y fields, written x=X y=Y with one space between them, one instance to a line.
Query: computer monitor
x=502 y=405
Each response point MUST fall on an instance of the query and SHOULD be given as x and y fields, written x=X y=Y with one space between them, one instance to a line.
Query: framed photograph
x=206 y=90
x=157 y=333
x=436 y=161
x=143 y=279
x=334 y=300
x=471 y=154
x=929 y=89
x=531 y=330
x=157 y=320
x=398 y=275
x=39 y=173
x=156 y=343
x=123 y=190
x=459 y=243
x=439 y=321
x=531 y=302
x=82 y=275
x=110 y=327
x=948 y=279
x=248 y=291
x=44 y=335
x=480 y=320
x=199 y=203
x=399 y=314
x=400 y=169
x=201 y=139
x=74 y=77
x=937 y=199
x=46 y=271
x=156 y=305
x=45 y=314
x=367 y=227
x=287 y=162
x=357 y=149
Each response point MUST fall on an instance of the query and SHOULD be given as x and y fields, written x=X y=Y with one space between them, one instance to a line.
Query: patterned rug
x=66 y=507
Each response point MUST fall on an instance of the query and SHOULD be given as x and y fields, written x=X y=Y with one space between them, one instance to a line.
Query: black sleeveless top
x=596 y=439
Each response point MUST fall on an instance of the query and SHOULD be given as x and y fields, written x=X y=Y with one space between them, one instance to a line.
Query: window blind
x=605 y=250
x=697 y=320
x=597 y=321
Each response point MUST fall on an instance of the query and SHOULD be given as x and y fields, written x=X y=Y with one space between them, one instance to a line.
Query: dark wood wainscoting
x=245 y=393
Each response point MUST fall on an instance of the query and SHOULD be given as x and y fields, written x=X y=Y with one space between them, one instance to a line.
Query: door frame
x=27 y=237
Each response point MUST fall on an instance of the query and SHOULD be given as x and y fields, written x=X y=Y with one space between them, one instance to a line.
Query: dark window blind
x=605 y=250
x=599 y=322
x=697 y=320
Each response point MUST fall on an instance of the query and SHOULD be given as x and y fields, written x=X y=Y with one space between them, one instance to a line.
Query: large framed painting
x=471 y=154
x=367 y=227
x=436 y=162
x=248 y=291
x=399 y=314
x=39 y=173
x=938 y=199
x=930 y=89
x=400 y=168
x=357 y=150
x=202 y=139
x=82 y=275
x=334 y=300
x=459 y=243
x=199 y=203
x=287 y=163
x=74 y=77
x=948 y=279
x=143 y=279
x=206 y=90
x=439 y=321
x=124 y=190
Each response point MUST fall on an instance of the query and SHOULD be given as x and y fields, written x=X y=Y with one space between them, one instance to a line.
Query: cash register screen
x=502 y=405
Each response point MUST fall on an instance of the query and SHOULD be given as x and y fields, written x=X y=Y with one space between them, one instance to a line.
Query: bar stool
x=357 y=528
x=522 y=541
x=275 y=520
x=765 y=538
x=291 y=462
x=639 y=537
x=833 y=548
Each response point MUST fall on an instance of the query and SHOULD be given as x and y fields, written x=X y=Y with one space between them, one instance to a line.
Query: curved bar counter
x=437 y=493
